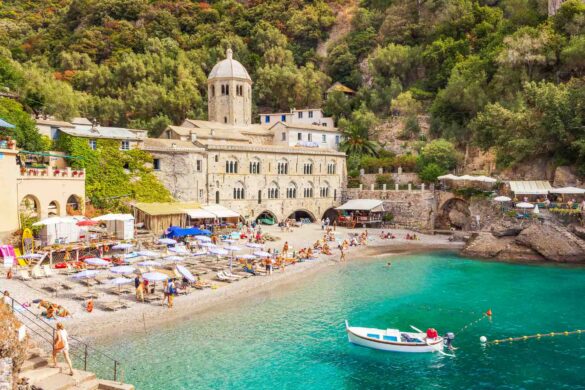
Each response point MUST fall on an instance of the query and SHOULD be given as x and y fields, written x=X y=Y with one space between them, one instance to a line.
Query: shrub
x=430 y=172
x=384 y=178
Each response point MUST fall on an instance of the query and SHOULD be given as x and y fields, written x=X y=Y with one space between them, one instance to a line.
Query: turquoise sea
x=295 y=338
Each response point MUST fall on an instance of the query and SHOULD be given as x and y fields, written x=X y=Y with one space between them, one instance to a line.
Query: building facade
x=307 y=116
x=254 y=169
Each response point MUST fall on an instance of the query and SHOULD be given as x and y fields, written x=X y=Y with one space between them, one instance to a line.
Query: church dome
x=229 y=68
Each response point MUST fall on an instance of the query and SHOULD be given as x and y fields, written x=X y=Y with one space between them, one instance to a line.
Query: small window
x=199 y=165
x=213 y=90
x=284 y=136
x=324 y=124
x=283 y=118
x=238 y=193
x=200 y=194
x=336 y=140
x=310 y=137
x=156 y=164
x=310 y=114
x=231 y=166
x=227 y=90
x=216 y=196
x=225 y=119
x=300 y=136
x=300 y=114
x=217 y=158
x=259 y=196
x=93 y=144
x=125 y=145
x=324 y=138
x=255 y=167
x=168 y=134
x=223 y=89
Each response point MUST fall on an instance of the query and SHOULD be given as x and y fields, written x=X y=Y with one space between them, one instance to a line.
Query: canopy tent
x=119 y=225
x=200 y=214
x=362 y=205
x=175 y=231
x=532 y=187
x=62 y=230
x=6 y=125
x=220 y=211
x=568 y=190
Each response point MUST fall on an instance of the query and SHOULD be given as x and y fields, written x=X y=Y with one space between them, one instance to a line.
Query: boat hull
x=432 y=346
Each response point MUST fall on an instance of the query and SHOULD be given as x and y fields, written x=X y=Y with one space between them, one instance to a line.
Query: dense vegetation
x=492 y=73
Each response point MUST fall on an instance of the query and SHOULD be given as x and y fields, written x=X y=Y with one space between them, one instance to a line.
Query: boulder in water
x=553 y=242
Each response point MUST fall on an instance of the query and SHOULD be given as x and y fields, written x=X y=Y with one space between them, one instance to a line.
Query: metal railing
x=85 y=354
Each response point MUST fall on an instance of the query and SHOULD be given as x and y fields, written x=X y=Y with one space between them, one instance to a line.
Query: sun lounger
x=36 y=273
x=230 y=275
x=114 y=305
x=86 y=296
x=23 y=274
x=52 y=287
x=67 y=286
x=225 y=278
x=47 y=270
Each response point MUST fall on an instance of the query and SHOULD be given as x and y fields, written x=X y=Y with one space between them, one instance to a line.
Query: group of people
x=143 y=287
x=387 y=235
x=53 y=310
x=326 y=222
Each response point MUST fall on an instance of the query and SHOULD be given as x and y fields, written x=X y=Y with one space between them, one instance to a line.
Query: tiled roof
x=104 y=132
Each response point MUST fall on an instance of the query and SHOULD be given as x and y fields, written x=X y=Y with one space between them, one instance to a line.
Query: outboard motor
x=448 y=340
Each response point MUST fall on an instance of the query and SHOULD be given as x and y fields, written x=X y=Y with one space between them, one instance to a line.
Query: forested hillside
x=493 y=73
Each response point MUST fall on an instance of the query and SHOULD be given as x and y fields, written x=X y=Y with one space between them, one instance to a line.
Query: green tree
x=356 y=133
x=25 y=134
x=440 y=152
x=430 y=172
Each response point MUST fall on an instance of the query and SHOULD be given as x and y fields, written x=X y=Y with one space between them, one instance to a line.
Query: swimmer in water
x=389 y=264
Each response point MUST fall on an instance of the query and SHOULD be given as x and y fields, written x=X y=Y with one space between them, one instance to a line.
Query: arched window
x=239 y=192
x=308 y=190
x=331 y=168
x=273 y=190
x=291 y=191
x=231 y=166
x=30 y=206
x=324 y=190
x=213 y=90
x=227 y=90
x=282 y=167
x=217 y=197
x=53 y=209
x=308 y=168
x=225 y=119
x=223 y=89
x=255 y=166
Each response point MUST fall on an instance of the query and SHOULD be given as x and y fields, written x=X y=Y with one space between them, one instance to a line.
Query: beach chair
x=47 y=270
x=23 y=274
x=36 y=273
x=229 y=274
x=51 y=287
x=113 y=305
x=67 y=286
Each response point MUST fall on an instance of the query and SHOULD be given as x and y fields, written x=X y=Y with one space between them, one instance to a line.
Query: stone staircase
x=40 y=375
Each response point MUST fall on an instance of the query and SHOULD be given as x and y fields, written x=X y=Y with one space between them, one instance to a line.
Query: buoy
x=525 y=337
x=489 y=312
x=483 y=339
x=566 y=333
x=538 y=335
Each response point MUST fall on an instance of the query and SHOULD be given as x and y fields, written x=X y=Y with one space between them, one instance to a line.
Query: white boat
x=394 y=340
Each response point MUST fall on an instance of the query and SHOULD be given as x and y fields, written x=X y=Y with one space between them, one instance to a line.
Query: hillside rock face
x=566 y=177
x=532 y=242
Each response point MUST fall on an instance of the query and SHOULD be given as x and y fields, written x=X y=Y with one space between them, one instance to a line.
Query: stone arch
x=30 y=206
x=331 y=213
x=53 y=209
x=267 y=217
x=301 y=214
x=454 y=213
x=74 y=205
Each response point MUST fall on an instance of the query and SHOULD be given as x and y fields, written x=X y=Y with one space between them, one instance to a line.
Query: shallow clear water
x=295 y=338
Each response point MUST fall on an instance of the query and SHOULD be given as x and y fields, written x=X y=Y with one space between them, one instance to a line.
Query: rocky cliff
x=510 y=240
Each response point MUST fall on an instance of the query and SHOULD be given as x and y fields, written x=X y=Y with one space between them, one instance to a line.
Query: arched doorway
x=74 y=205
x=299 y=215
x=30 y=207
x=331 y=213
x=53 y=209
x=266 y=218
x=454 y=214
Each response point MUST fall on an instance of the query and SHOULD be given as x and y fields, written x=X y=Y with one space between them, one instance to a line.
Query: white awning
x=220 y=211
x=363 y=204
x=200 y=214
x=114 y=217
x=567 y=190
x=448 y=176
x=534 y=187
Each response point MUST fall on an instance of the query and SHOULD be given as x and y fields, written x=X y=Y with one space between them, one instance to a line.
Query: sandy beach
x=141 y=317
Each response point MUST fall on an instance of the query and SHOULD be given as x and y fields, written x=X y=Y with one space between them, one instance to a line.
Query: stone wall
x=178 y=173
x=403 y=178
x=413 y=209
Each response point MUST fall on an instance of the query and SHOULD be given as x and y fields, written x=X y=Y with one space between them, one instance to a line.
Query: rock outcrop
x=509 y=240
x=566 y=177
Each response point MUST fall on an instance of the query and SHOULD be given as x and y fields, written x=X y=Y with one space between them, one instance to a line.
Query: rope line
x=536 y=336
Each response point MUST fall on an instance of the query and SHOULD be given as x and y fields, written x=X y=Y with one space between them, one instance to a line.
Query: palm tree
x=356 y=141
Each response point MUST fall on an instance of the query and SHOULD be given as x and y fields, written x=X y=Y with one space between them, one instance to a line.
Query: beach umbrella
x=219 y=251
x=203 y=238
x=262 y=254
x=186 y=274
x=536 y=210
x=87 y=222
x=180 y=250
x=123 y=269
x=87 y=274
x=173 y=259
x=502 y=199
x=248 y=257
x=449 y=176
x=254 y=245
x=97 y=262
x=122 y=246
x=207 y=245
x=148 y=253
x=167 y=241
x=149 y=263
x=155 y=276
x=29 y=256
x=233 y=248
x=524 y=205
x=119 y=281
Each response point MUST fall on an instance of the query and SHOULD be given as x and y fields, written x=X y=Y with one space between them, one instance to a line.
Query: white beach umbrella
x=254 y=245
x=536 y=210
x=119 y=281
x=173 y=259
x=262 y=254
x=149 y=263
x=123 y=269
x=97 y=262
x=233 y=248
x=203 y=238
x=148 y=253
x=524 y=205
x=186 y=274
x=219 y=251
x=502 y=199
x=167 y=241
x=155 y=276
x=87 y=274
x=248 y=257
x=122 y=246
x=449 y=176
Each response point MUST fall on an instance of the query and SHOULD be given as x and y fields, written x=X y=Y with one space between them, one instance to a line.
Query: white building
x=307 y=116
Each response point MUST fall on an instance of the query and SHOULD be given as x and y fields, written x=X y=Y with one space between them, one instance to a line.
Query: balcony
x=52 y=173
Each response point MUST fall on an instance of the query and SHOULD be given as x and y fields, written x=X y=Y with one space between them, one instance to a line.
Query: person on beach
x=285 y=248
x=140 y=291
x=61 y=344
x=172 y=290
x=89 y=305
x=342 y=257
